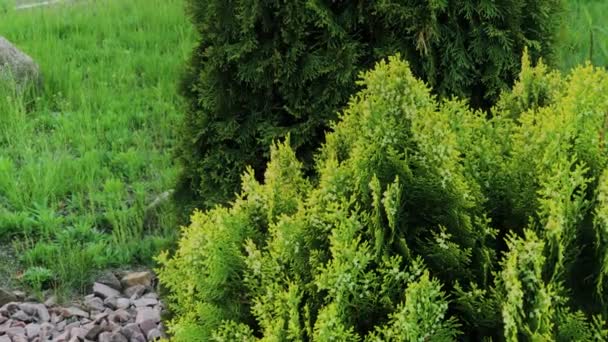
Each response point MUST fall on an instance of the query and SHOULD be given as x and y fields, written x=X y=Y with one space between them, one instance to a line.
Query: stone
x=104 y=291
x=63 y=337
x=147 y=326
x=119 y=316
x=151 y=295
x=5 y=295
x=94 y=332
x=155 y=335
x=19 y=338
x=18 y=324
x=137 y=278
x=109 y=279
x=28 y=308
x=101 y=316
x=9 y=308
x=5 y=338
x=32 y=330
x=142 y=302
x=133 y=332
x=46 y=330
x=78 y=332
x=43 y=313
x=111 y=303
x=5 y=325
x=61 y=325
x=94 y=303
x=123 y=303
x=135 y=291
x=105 y=337
x=74 y=311
x=145 y=314
x=15 y=331
x=112 y=337
x=18 y=66
x=21 y=316
x=3 y=319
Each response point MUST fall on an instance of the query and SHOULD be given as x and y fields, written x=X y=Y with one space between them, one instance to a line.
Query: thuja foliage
x=427 y=222
x=265 y=69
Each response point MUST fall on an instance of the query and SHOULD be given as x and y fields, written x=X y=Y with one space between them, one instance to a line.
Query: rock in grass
x=6 y=297
x=137 y=278
x=104 y=291
x=18 y=67
x=108 y=278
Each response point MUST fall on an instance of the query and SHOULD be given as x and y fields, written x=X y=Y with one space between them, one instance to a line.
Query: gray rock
x=94 y=304
x=61 y=326
x=79 y=333
x=109 y=279
x=15 y=331
x=94 y=332
x=19 y=338
x=155 y=335
x=119 y=316
x=111 y=303
x=3 y=319
x=28 y=308
x=5 y=338
x=142 y=302
x=62 y=337
x=145 y=314
x=16 y=65
x=21 y=316
x=74 y=311
x=105 y=337
x=112 y=337
x=46 y=330
x=123 y=303
x=32 y=330
x=104 y=291
x=5 y=295
x=133 y=332
x=135 y=291
x=43 y=313
x=147 y=326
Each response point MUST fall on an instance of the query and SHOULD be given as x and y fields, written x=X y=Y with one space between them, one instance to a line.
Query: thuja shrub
x=265 y=69
x=427 y=222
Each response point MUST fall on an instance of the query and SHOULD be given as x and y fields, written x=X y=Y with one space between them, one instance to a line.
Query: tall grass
x=80 y=163
x=584 y=34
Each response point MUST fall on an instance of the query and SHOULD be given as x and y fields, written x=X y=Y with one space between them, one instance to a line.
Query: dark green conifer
x=263 y=69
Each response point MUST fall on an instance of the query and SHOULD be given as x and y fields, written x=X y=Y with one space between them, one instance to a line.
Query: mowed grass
x=80 y=165
x=583 y=36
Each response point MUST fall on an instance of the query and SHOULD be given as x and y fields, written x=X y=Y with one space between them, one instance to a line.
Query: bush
x=428 y=222
x=265 y=69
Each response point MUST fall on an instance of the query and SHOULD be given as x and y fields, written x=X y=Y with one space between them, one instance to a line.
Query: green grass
x=584 y=34
x=79 y=165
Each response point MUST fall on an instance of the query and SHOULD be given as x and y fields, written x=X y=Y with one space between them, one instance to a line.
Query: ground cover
x=80 y=165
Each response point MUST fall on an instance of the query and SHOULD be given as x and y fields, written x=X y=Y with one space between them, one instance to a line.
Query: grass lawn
x=79 y=167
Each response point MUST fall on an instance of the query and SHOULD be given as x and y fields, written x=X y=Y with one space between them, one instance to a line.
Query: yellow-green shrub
x=427 y=222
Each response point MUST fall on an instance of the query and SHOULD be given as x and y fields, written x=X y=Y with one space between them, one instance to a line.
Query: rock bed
x=117 y=311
